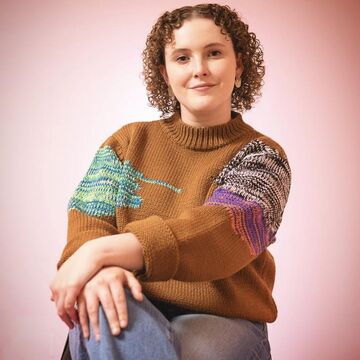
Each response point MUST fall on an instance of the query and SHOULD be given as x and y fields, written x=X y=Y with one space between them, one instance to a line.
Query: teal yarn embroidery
x=128 y=186
x=109 y=184
x=96 y=193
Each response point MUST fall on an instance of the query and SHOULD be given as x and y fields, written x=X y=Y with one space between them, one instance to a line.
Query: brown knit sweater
x=205 y=204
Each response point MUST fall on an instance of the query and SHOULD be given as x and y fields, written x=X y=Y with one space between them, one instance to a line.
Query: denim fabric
x=212 y=337
x=149 y=335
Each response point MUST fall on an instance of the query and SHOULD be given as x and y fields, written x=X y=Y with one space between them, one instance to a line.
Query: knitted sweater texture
x=205 y=204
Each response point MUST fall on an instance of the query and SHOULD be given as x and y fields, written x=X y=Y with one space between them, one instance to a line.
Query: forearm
x=83 y=228
x=122 y=250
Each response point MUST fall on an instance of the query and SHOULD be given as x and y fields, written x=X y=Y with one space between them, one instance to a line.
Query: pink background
x=69 y=77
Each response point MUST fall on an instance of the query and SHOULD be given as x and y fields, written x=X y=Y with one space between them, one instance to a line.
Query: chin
x=203 y=108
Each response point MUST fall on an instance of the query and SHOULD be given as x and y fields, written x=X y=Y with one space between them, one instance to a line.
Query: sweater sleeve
x=233 y=226
x=91 y=209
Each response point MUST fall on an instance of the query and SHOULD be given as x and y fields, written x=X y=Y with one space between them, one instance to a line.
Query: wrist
x=92 y=250
x=122 y=250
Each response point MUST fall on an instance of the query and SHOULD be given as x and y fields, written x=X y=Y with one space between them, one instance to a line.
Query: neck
x=216 y=117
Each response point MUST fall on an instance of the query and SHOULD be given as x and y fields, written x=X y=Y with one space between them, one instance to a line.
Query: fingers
x=115 y=310
x=111 y=294
x=134 y=286
x=69 y=305
x=59 y=304
x=119 y=299
x=65 y=305
x=104 y=296
x=107 y=288
x=83 y=316
x=63 y=314
x=92 y=307
x=119 y=296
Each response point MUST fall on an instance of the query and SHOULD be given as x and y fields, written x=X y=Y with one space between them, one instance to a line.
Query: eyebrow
x=207 y=46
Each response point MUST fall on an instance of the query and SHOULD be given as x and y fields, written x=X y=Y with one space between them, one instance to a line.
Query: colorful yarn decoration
x=110 y=184
x=254 y=187
x=247 y=219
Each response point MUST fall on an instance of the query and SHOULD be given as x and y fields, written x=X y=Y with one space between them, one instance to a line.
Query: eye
x=215 y=53
x=182 y=58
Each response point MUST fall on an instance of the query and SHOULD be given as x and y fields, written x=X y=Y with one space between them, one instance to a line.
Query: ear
x=164 y=74
x=239 y=65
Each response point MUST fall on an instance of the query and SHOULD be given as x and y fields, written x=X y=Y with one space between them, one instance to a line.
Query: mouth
x=202 y=87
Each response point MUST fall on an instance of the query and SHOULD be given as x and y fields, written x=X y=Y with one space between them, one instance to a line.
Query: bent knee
x=213 y=337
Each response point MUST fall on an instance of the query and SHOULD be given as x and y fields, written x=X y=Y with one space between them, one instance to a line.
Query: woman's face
x=200 y=67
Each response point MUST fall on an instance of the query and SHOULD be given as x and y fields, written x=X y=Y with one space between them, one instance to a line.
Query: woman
x=180 y=211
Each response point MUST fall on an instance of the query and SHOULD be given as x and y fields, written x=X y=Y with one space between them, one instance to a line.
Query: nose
x=200 y=68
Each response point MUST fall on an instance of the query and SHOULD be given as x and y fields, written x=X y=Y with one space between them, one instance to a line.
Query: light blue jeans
x=149 y=335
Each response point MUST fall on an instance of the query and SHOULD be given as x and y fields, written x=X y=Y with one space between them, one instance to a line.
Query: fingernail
x=115 y=330
x=123 y=323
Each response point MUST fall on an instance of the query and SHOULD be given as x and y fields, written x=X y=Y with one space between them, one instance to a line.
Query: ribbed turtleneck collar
x=203 y=138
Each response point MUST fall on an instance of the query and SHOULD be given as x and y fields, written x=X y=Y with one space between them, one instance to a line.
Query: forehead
x=198 y=32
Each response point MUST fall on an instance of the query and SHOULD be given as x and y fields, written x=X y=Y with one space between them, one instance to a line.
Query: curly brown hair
x=244 y=42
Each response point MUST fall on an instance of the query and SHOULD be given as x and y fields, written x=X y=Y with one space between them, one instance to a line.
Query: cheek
x=229 y=78
x=224 y=71
x=178 y=78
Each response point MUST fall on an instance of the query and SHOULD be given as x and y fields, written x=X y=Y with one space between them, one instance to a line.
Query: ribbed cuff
x=161 y=255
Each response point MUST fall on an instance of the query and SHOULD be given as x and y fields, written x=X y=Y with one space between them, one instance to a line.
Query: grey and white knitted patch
x=258 y=173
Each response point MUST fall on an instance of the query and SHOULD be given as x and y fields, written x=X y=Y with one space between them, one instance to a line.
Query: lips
x=202 y=86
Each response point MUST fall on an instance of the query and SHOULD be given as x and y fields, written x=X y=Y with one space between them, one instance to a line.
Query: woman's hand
x=69 y=281
x=122 y=250
x=107 y=288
